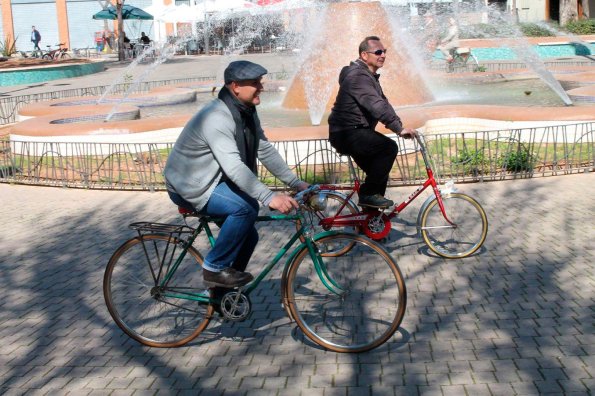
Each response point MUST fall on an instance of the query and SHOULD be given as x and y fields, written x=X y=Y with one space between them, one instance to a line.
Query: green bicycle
x=345 y=300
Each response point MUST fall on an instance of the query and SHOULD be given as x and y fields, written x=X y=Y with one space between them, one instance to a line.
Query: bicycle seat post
x=352 y=170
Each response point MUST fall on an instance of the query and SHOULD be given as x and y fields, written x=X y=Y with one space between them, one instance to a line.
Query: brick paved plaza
x=516 y=319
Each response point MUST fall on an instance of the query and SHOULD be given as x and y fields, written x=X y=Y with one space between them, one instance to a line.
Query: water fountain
x=335 y=31
x=315 y=84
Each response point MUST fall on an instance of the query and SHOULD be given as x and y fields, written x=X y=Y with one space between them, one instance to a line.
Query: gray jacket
x=207 y=148
x=360 y=101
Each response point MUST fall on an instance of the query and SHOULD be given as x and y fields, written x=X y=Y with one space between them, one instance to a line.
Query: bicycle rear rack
x=160 y=228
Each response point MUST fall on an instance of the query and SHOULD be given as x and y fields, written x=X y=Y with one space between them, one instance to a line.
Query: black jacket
x=360 y=102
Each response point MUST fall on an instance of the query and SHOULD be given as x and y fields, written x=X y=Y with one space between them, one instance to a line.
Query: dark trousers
x=372 y=151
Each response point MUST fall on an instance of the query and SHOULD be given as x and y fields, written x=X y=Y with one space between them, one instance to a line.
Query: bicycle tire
x=136 y=304
x=459 y=242
x=333 y=202
x=365 y=313
x=473 y=60
x=65 y=56
x=47 y=57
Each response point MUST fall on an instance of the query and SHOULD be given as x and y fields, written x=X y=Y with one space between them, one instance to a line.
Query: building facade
x=70 y=21
x=60 y=21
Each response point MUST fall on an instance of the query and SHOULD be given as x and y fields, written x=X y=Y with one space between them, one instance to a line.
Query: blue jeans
x=238 y=236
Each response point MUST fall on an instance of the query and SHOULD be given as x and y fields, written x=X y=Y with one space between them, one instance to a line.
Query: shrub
x=517 y=161
x=534 y=30
x=469 y=161
x=584 y=26
x=469 y=157
x=8 y=47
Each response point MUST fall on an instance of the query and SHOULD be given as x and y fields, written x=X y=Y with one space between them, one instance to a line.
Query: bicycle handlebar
x=301 y=196
x=419 y=138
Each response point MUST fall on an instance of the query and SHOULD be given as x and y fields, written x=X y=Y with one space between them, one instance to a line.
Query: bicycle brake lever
x=300 y=196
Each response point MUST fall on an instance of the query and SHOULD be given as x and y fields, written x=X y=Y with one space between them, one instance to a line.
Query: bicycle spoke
x=141 y=307
x=462 y=240
x=361 y=316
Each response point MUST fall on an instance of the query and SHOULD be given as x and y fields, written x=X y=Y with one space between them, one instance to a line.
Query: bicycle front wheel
x=65 y=56
x=472 y=60
x=463 y=238
x=352 y=302
x=153 y=312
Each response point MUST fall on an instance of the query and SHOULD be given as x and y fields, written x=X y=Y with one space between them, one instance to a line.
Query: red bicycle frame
x=364 y=217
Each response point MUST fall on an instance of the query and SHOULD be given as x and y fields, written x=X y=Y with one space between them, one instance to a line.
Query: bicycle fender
x=421 y=210
x=298 y=249
x=343 y=196
x=428 y=201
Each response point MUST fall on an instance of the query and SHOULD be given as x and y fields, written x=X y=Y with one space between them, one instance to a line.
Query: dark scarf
x=247 y=124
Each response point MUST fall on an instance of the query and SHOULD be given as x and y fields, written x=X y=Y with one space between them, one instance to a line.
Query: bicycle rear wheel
x=331 y=207
x=351 y=303
x=461 y=240
x=149 y=313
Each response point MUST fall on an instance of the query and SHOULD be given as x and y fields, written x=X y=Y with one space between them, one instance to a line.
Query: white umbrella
x=226 y=7
x=156 y=10
x=175 y=14
x=288 y=5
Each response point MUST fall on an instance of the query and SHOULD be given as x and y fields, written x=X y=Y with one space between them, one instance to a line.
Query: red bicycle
x=452 y=224
x=56 y=54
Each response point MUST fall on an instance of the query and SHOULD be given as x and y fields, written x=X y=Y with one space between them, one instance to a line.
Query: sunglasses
x=378 y=52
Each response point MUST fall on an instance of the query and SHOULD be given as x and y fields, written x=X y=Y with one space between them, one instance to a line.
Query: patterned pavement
x=518 y=318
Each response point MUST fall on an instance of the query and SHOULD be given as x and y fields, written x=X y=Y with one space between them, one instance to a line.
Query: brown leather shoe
x=228 y=278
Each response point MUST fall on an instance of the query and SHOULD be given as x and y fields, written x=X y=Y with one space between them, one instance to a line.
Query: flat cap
x=243 y=70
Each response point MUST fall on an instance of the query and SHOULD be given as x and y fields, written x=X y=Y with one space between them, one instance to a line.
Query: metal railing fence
x=496 y=66
x=9 y=107
x=462 y=156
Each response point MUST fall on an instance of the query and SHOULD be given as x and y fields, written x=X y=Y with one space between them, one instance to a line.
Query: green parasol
x=128 y=12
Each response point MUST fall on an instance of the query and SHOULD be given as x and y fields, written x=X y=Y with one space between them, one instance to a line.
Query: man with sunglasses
x=359 y=106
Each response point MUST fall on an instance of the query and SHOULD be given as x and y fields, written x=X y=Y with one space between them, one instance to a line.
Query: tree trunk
x=585 y=9
x=515 y=11
x=119 y=4
x=568 y=11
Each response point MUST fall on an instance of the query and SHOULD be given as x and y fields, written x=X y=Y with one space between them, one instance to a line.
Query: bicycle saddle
x=187 y=212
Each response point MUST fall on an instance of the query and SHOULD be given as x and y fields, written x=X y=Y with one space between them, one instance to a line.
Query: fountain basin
x=582 y=95
x=29 y=75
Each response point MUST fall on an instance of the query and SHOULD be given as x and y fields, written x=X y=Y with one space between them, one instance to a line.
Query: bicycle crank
x=235 y=306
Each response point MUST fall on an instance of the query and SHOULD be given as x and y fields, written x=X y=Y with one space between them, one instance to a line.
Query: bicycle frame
x=359 y=218
x=204 y=226
x=55 y=54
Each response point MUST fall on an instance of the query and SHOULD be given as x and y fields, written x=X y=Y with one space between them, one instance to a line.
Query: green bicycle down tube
x=252 y=285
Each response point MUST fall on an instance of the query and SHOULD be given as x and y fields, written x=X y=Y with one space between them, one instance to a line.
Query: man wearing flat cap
x=212 y=170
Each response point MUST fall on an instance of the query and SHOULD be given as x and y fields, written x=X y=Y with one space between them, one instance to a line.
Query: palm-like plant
x=8 y=46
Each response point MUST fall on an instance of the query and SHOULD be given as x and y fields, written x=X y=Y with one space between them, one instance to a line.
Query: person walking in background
x=107 y=39
x=35 y=39
x=359 y=106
